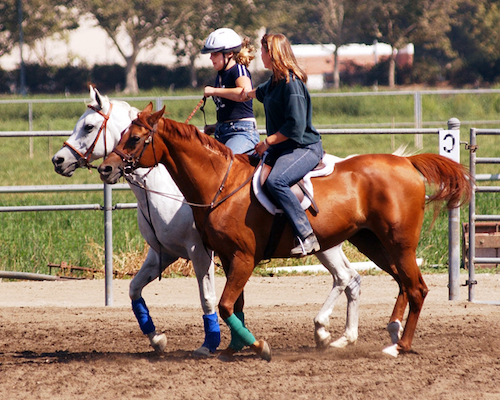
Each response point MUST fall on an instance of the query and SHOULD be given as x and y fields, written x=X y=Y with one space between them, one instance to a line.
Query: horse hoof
x=342 y=342
x=322 y=337
x=263 y=350
x=322 y=342
x=392 y=350
x=159 y=343
x=395 y=330
x=203 y=352
x=227 y=354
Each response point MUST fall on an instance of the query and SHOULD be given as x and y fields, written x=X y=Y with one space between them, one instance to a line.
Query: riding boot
x=307 y=246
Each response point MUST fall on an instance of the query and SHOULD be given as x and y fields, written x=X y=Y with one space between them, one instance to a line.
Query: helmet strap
x=227 y=60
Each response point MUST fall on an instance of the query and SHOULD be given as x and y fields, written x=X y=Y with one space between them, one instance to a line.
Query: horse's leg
x=149 y=271
x=416 y=290
x=237 y=274
x=371 y=246
x=345 y=279
x=204 y=269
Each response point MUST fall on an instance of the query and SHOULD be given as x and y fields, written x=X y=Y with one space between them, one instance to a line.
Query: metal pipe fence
x=418 y=99
x=108 y=207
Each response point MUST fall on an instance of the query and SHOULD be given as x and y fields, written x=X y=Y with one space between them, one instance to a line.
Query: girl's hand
x=209 y=129
x=209 y=91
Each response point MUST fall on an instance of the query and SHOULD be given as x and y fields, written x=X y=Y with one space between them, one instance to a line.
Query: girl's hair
x=246 y=54
x=282 y=58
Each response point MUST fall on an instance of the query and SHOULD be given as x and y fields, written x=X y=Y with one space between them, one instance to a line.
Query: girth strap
x=277 y=228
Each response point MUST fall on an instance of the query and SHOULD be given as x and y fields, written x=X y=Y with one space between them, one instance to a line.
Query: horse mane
x=191 y=132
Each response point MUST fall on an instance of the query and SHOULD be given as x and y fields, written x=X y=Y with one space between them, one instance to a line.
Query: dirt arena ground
x=59 y=341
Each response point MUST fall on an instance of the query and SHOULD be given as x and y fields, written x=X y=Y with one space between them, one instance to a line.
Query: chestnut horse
x=167 y=224
x=376 y=201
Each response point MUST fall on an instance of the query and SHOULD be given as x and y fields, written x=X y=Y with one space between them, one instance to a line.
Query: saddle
x=303 y=189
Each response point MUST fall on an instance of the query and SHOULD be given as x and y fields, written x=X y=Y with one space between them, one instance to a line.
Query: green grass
x=31 y=240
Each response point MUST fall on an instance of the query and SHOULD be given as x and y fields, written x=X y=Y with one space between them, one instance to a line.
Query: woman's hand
x=261 y=147
x=247 y=95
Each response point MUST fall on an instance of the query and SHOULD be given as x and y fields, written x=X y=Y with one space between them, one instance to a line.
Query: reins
x=200 y=106
x=213 y=204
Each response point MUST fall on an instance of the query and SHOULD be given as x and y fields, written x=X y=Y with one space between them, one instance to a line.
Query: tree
x=398 y=22
x=320 y=22
x=189 y=36
x=134 y=25
x=42 y=19
x=475 y=36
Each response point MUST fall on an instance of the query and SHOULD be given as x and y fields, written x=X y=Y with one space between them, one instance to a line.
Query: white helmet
x=222 y=40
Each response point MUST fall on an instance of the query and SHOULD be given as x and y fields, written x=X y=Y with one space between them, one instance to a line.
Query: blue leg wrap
x=240 y=335
x=212 y=332
x=142 y=314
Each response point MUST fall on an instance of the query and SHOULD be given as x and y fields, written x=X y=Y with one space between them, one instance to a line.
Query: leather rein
x=83 y=161
x=131 y=164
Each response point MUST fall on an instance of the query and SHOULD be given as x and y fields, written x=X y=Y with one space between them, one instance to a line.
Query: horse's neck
x=197 y=168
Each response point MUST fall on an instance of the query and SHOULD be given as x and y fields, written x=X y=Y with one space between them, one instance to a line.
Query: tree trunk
x=131 y=84
x=192 y=72
x=392 y=69
x=336 y=73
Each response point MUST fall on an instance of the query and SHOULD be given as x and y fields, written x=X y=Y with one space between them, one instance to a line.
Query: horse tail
x=453 y=180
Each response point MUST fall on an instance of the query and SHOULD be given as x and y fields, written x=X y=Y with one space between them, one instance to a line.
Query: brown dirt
x=58 y=341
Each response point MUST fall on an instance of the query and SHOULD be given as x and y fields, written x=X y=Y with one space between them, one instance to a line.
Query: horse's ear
x=156 y=116
x=99 y=98
x=147 y=110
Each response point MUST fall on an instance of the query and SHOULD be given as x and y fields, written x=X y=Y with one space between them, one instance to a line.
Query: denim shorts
x=239 y=136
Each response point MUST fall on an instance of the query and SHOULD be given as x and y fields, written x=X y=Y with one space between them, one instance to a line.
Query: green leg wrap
x=236 y=343
x=240 y=335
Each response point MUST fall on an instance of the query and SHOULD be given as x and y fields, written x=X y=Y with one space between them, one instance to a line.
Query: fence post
x=452 y=150
x=108 y=244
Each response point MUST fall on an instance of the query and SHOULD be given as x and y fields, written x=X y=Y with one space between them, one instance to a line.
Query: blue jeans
x=239 y=136
x=289 y=168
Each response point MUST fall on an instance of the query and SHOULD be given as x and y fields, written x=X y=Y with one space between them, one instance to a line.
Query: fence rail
x=473 y=259
x=417 y=95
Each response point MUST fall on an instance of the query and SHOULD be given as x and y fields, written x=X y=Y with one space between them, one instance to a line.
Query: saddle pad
x=329 y=165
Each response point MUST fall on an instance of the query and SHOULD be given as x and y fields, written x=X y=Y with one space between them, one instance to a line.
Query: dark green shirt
x=288 y=110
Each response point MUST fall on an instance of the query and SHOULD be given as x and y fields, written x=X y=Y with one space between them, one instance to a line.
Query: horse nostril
x=104 y=169
x=57 y=161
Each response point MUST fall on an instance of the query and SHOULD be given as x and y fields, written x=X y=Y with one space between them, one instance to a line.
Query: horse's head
x=135 y=149
x=95 y=134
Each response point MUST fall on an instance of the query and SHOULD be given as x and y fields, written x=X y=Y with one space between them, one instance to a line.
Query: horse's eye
x=134 y=140
x=88 y=127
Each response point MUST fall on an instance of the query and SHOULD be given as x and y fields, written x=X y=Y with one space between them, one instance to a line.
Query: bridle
x=83 y=161
x=128 y=159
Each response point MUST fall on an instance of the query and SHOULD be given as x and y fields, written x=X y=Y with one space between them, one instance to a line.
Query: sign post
x=449 y=146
